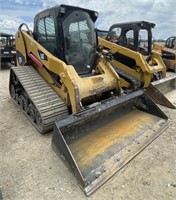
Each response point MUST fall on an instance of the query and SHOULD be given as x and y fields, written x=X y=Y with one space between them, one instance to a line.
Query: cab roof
x=142 y=24
x=61 y=9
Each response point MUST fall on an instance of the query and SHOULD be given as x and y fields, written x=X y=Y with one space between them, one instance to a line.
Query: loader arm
x=142 y=71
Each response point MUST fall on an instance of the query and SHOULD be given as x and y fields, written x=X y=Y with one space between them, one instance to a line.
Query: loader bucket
x=165 y=87
x=98 y=142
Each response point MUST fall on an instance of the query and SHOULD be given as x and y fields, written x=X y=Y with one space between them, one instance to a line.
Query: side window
x=50 y=29
x=46 y=34
x=170 y=42
x=41 y=30
x=114 y=34
x=143 y=38
x=130 y=39
x=143 y=42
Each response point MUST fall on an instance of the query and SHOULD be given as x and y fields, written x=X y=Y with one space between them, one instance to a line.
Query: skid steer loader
x=168 y=53
x=62 y=81
x=132 y=56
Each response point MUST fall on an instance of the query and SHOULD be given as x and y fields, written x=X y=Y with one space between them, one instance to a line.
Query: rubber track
x=46 y=101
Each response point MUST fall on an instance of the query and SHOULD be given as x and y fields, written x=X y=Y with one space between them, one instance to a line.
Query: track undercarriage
x=36 y=98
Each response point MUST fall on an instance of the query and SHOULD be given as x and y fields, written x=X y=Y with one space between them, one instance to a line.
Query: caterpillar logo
x=42 y=55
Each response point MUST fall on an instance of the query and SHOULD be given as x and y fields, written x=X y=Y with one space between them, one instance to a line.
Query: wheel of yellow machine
x=26 y=105
x=21 y=101
x=12 y=91
x=32 y=112
x=39 y=121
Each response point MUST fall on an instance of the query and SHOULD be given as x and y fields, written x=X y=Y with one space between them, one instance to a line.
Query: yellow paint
x=143 y=71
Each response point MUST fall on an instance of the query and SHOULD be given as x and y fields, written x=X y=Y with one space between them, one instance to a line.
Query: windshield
x=79 y=41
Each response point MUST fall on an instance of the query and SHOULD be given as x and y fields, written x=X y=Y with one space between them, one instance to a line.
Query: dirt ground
x=30 y=170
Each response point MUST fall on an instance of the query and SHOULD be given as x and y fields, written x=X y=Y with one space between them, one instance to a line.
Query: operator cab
x=171 y=42
x=69 y=34
x=136 y=36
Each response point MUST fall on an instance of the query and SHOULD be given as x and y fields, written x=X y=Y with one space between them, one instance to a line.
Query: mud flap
x=99 y=141
x=158 y=97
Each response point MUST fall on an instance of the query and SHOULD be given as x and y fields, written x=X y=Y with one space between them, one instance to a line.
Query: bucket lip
x=120 y=163
x=101 y=107
x=114 y=163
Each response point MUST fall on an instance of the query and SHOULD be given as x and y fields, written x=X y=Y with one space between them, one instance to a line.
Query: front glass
x=79 y=41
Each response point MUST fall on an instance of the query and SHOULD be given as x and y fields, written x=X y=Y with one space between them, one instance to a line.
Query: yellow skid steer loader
x=168 y=54
x=63 y=81
x=133 y=58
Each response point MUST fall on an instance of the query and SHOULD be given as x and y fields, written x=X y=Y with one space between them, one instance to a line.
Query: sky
x=160 y=12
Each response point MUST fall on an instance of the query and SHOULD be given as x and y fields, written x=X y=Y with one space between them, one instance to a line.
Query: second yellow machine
x=135 y=61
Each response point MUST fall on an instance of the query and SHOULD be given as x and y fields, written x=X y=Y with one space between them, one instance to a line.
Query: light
x=62 y=10
x=96 y=14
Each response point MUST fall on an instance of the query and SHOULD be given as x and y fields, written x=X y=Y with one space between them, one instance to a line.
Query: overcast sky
x=160 y=12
